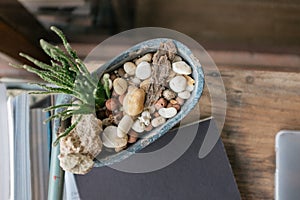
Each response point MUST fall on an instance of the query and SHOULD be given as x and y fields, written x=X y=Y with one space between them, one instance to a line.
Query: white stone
x=184 y=95
x=120 y=85
x=143 y=70
x=138 y=126
x=110 y=138
x=147 y=58
x=136 y=81
x=181 y=67
x=145 y=118
x=178 y=84
x=124 y=126
x=167 y=112
x=129 y=68
x=189 y=88
x=158 y=121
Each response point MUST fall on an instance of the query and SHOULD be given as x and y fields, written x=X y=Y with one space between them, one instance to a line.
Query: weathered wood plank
x=259 y=105
x=252 y=25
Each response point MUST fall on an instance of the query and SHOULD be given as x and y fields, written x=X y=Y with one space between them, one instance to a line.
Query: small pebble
x=112 y=77
x=138 y=126
x=121 y=98
x=120 y=86
x=145 y=84
x=161 y=103
x=107 y=122
x=169 y=94
x=133 y=103
x=118 y=149
x=110 y=138
x=111 y=104
x=124 y=126
x=156 y=114
x=173 y=101
x=180 y=101
x=132 y=139
x=158 y=121
x=178 y=84
x=184 y=94
x=117 y=117
x=190 y=80
x=143 y=70
x=189 y=88
x=145 y=118
x=167 y=112
x=146 y=58
x=136 y=81
x=181 y=67
x=129 y=68
x=151 y=109
x=149 y=127
x=121 y=72
x=133 y=133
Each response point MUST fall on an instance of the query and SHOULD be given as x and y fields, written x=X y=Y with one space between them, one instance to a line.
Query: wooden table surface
x=259 y=104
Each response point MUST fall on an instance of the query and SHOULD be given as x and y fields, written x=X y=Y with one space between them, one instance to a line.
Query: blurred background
x=235 y=32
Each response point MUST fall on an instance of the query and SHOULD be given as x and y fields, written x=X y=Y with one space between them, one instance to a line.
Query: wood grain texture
x=221 y=24
x=259 y=104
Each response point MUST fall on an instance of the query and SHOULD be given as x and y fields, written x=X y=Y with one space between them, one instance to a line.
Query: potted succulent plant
x=105 y=116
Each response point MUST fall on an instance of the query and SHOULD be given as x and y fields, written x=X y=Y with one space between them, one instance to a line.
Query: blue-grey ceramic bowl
x=130 y=54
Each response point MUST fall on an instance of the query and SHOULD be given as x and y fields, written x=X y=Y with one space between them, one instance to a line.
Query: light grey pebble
x=184 y=95
x=190 y=88
x=158 y=121
x=178 y=84
x=143 y=70
x=167 y=112
x=181 y=67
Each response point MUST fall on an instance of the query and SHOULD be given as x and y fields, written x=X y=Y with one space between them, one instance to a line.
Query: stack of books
x=25 y=146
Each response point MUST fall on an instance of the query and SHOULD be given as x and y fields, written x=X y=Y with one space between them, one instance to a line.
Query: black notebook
x=187 y=178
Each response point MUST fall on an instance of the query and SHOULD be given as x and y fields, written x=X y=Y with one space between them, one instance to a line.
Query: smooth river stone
x=129 y=68
x=133 y=103
x=158 y=121
x=120 y=86
x=178 y=84
x=143 y=70
x=167 y=112
x=110 y=138
x=181 y=67
x=184 y=95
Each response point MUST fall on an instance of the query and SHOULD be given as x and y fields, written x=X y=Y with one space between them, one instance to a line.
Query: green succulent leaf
x=68 y=75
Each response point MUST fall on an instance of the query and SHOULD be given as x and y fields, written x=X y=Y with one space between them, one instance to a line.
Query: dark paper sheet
x=187 y=178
